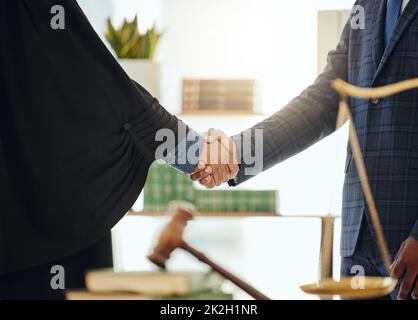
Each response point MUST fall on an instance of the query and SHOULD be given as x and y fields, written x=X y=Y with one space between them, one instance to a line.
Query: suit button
x=375 y=101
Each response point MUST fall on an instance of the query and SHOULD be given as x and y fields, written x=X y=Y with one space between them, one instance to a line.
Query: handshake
x=218 y=161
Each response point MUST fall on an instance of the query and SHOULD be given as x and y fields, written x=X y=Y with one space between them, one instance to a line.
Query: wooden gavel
x=172 y=238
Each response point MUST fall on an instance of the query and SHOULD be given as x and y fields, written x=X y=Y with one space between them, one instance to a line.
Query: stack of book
x=153 y=285
x=218 y=96
x=165 y=184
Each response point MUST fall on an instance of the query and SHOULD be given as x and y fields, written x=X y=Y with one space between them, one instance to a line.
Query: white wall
x=148 y=11
x=268 y=39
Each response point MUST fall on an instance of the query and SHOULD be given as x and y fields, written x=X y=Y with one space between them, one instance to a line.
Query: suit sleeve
x=414 y=232
x=304 y=121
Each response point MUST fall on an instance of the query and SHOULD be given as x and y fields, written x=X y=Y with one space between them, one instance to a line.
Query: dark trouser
x=35 y=283
x=367 y=256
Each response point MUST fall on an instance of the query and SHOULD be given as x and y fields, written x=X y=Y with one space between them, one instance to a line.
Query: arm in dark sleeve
x=188 y=143
x=304 y=121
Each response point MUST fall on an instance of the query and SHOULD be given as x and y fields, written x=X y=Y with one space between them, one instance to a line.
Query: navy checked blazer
x=387 y=128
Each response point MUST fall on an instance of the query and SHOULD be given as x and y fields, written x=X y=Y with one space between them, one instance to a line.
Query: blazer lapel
x=378 y=30
x=406 y=18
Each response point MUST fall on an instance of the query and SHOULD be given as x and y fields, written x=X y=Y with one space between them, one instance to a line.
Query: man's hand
x=406 y=266
x=218 y=161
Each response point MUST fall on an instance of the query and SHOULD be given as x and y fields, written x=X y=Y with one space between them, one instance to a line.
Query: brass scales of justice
x=349 y=287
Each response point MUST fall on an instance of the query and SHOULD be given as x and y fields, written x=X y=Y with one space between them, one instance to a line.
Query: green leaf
x=128 y=42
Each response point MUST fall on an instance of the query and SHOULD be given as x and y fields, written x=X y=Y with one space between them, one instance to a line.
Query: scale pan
x=353 y=288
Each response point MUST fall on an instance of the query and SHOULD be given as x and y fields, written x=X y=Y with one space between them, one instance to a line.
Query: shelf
x=132 y=213
x=220 y=113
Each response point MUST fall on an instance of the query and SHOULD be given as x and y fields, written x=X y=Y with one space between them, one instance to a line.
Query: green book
x=236 y=201
x=165 y=184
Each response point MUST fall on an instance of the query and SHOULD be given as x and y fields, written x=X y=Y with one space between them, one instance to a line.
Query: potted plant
x=136 y=51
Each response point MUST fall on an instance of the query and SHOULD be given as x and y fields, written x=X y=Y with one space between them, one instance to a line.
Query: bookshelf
x=208 y=214
x=220 y=113
x=223 y=214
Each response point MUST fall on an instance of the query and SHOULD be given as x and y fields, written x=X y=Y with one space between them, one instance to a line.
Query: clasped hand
x=218 y=161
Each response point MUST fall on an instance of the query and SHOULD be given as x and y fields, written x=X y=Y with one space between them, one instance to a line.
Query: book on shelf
x=108 y=284
x=236 y=201
x=86 y=295
x=151 y=283
x=201 y=295
x=166 y=184
x=221 y=95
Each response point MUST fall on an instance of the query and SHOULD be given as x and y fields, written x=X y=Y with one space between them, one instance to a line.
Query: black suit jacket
x=76 y=135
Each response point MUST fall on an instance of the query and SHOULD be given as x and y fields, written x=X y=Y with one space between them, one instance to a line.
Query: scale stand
x=359 y=287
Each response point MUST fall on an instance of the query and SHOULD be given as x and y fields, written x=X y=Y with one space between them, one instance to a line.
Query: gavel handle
x=257 y=295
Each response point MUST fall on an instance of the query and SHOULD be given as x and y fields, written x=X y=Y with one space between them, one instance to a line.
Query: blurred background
x=282 y=45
